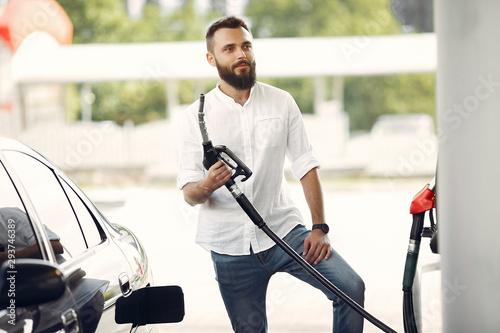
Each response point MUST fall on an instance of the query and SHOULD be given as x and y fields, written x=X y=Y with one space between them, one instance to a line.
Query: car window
x=51 y=203
x=17 y=238
x=93 y=235
x=20 y=242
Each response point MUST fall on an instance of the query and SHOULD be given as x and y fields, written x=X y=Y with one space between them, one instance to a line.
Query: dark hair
x=230 y=22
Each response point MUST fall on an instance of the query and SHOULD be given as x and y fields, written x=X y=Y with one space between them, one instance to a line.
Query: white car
x=403 y=146
x=64 y=267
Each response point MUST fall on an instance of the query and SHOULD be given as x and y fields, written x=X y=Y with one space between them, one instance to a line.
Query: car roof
x=11 y=144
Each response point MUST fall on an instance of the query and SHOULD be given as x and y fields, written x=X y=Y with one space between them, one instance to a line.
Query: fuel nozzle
x=210 y=155
x=213 y=154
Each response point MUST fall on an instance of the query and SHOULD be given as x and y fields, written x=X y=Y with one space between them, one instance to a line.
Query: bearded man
x=262 y=125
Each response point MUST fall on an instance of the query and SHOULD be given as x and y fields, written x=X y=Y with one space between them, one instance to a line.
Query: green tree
x=365 y=98
x=97 y=21
x=307 y=18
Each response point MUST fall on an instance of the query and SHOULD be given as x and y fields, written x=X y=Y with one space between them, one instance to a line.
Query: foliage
x=365 y=98
x=118 y=100
x=97 y=21
x=306 y=18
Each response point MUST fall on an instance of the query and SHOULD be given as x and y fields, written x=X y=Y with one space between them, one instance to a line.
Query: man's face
x=234 y=58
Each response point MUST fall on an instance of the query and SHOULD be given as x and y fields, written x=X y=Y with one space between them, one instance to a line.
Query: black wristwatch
x=323 y=226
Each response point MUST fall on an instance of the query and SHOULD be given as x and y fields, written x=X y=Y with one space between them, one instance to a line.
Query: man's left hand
x=317 y=247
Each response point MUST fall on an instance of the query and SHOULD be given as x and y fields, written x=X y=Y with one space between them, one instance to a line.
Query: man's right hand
x=197 y=193
x=218 y=175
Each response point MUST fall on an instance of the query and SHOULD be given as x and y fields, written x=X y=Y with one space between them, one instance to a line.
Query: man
x=261 y=125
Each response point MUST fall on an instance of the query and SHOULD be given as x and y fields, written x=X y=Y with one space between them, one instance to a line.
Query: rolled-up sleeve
x=190 y=152
x=299 y=151
x=188 y=176
x=305 y=163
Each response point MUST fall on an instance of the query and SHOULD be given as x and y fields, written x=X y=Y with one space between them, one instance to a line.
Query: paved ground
x=370 y=226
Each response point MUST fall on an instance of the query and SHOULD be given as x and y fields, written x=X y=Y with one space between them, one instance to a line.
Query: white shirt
x=261 y=133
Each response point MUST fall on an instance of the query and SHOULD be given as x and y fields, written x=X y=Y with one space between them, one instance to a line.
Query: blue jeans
x=243 y=282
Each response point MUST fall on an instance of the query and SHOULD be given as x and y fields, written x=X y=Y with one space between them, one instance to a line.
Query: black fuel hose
x=259 y=222
x=409 y=321
x=210 y=157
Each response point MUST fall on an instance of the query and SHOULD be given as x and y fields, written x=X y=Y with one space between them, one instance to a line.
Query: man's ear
x=211 y=59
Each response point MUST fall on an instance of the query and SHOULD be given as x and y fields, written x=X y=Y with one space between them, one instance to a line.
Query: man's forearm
x=314 y=196
x=195 y=193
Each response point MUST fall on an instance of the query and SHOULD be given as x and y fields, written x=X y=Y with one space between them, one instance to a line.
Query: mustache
x=242 y=62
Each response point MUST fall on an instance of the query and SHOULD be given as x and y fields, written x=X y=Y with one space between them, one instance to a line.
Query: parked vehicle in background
x=64 y=266
x=403 y=145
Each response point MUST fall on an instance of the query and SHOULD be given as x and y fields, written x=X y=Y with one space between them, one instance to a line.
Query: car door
x=96 y=268
x=20 y=239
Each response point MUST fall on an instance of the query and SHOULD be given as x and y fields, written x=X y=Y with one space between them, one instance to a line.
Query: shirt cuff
x=188 y=176
x=304 y=164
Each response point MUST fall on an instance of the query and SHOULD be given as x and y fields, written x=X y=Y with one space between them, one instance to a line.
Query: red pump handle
x=423 y=201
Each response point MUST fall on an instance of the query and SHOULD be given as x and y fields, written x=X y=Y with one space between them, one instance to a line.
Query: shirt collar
x=229 y=99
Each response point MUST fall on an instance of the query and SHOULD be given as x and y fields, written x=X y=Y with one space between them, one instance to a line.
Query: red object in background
x=6 y=107
x=23 y=17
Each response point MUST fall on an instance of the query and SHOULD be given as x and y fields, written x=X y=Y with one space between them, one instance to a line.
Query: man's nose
x=241 y=54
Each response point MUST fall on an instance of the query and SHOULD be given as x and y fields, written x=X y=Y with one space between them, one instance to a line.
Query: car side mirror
x=151 y=305
x=29 y=282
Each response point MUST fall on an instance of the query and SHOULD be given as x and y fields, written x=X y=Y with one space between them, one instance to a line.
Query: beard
x=242 y=81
